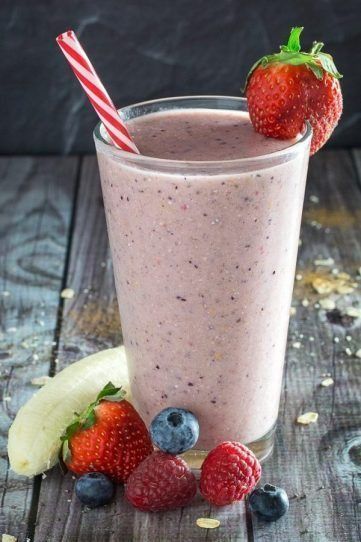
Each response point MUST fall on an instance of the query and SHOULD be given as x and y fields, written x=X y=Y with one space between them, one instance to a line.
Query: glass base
x=262 y=449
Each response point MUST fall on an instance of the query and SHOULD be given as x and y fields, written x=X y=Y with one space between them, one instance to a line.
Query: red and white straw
x=98 y=96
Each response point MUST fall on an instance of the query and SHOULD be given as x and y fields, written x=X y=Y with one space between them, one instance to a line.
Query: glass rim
x=152 y=160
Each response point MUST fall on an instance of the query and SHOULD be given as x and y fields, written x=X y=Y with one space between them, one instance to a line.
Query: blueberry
x=174 y=430
x=94 y=489
x=269 y=502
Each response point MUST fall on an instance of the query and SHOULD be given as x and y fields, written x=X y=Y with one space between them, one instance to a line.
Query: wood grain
x=319 y=465
x=35 y=214
x=91 y=318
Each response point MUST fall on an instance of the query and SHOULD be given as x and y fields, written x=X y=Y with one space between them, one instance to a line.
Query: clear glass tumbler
x=204 y=285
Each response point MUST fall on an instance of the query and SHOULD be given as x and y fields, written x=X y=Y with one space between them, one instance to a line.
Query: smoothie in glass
x=204 y=229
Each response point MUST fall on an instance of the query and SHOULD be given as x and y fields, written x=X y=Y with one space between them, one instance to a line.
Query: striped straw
x=94 y=89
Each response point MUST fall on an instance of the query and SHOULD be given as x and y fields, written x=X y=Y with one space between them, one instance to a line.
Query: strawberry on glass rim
x=286 y=89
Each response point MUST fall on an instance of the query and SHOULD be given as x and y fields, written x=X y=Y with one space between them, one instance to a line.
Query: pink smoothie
x=204 y=266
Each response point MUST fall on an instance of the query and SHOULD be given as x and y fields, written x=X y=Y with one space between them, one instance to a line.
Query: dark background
x=148 y=49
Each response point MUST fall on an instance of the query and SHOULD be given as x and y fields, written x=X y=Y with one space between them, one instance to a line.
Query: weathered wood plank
x=90 y=323
x=91 y=318
x=35 y=215
x=319 y=465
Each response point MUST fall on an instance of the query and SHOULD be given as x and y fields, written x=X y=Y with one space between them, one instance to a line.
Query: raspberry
x=229 y=472
x=162 y=481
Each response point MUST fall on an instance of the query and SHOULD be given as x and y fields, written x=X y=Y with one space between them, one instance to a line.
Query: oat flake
x=40 y=380
x=67 y=293
x=327 y=304
x=208 y=523
x=354 y=312
x=326 y=262
x=307 y=418
x=8 y=538
x=322 y=286
x=344 y=289
x=327 y=382
x=344 y=276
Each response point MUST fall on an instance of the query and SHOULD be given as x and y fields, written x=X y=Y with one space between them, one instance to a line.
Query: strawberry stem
x=294 y=39
x=316 y=61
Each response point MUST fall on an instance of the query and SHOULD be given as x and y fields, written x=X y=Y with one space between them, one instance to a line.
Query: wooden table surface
x=53 y=234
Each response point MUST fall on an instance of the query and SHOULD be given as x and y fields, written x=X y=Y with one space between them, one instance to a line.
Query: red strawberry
x=109 y=437
x=229 y=472
x=161 y=482
x=287 y=88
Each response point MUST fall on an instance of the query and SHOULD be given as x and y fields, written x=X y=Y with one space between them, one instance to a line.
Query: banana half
x=34 y=437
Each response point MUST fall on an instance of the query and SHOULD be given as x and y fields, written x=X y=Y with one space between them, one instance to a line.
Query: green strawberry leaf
x=115 y=397
x=111 y=393
x=71 y=430
x=318 y=62
x=317 y=70
x=89 y=420
x=108 y=389
x=328 y=64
